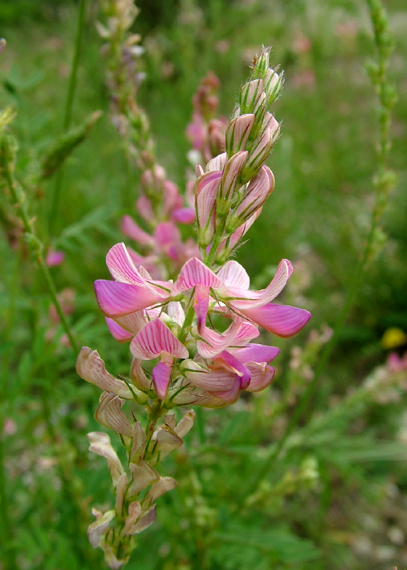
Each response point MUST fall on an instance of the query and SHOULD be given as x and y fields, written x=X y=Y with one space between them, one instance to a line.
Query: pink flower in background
x=54 y=257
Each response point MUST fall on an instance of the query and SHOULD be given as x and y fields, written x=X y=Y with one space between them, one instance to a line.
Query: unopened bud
x=238 y=132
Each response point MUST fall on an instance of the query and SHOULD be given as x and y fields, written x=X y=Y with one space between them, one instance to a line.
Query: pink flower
x=54 y=257
x=230 y=288
x=156 y=340
x=237 y=369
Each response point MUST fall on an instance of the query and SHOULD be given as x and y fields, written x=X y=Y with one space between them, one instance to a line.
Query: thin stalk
x=384 y=180
x=18 y=198
x=68 y=109
x=7 y=537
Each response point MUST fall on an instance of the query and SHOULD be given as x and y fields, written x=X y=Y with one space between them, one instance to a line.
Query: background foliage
x=336 y=497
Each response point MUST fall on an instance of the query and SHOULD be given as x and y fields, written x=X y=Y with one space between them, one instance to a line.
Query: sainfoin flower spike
x=179 y=355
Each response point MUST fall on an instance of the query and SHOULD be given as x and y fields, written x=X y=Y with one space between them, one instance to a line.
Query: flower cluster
x=183 y=352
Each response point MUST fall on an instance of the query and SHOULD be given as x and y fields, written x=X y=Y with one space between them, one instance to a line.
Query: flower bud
x=238 y=132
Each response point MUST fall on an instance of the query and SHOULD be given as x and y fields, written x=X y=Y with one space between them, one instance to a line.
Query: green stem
x=381 y=189
x=68 y=109
x=7 y=538
x=18 y=198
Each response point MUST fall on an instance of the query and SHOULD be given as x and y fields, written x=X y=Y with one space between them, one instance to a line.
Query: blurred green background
x=318 y=217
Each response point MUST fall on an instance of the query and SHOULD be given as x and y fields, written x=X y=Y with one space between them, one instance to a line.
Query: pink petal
x=184 y=215
x=145 y=209
x=281 y=320
x=255 y=353
x=208 y=179
x=257 y=192
x=234 y=275
x=194 y=272
x=121 y=266
x=230 y=396
x=233 y=362
x=129 y=227
x=217 y=163
x=210 y=380
x=134 y=322
x=161 y=378
x=231 y=173
x=155 y=338
x=117 y=332
x=254 y=299
x=247 y=332
x=201 y=304
x=54 y=258
x=167 y=233
x=118 y=299
x=261 y=376
x=214 y=343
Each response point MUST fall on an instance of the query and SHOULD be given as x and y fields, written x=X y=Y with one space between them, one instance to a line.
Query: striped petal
x=214 y=343
x=155 y=338
x=255 y=353
x=261 y=376
x=234 y=275
x=121 y=266
x=117 y=299
x=201 y=304
x=161 y=378
x=194 y=272
x=243 y=299
x=91 y=368
x=281 y=320
x=118 y=332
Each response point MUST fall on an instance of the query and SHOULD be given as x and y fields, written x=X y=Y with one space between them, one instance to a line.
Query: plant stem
x=7 y=532
x=18 y=198
x=383 y=182
x=68 y=110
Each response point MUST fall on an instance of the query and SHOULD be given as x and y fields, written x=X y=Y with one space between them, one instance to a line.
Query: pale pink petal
x=118 y=299
x=172 y=198
x=155 y=338
x=161 y=378
x=230 y=396
x=117 y=332
x=121 y=266
x=231 y=173
x=213 y=343
x=209 y=178
x=257 y=192
x=167 y=233
x=91 y=368
x=138 y=377
x=201 y=304
x=194 y=272
x=217 y=163
x=247 y=332
x=210 y=380
x=234 y=275
x=145 y=209
x=255 y=353
x=205 y=205
x=184 y=215
x=252 y=299
x=238 y=132
x=134 y=322
x=261 y=376
x=281 y=320
x=129 y=227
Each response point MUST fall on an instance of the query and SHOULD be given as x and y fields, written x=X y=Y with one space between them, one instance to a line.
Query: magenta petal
x=281 y=320
x=201 y=304
x=161 y=378
x=167 y=233
x=184 y=215
x=118 y=299
x=194 y=272
x=121 y=265
x=255 y=353
x=117 y=332
x=155 y=338
x=129 y=227
x=242 y=371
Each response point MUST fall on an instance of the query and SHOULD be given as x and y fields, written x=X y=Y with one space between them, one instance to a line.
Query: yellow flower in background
x=393 y=338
